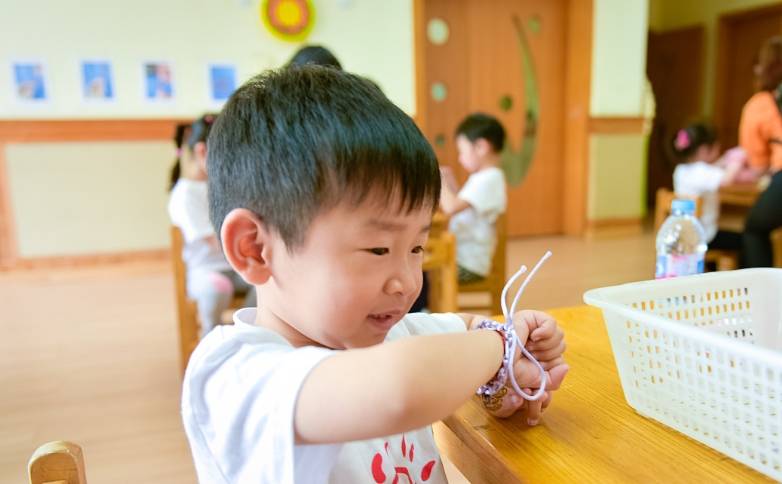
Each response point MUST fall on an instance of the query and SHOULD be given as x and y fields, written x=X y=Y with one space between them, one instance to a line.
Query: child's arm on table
x=394 y=387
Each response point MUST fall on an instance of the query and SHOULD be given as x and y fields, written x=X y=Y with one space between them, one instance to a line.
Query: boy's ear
x=247 y=245
x=482 y=146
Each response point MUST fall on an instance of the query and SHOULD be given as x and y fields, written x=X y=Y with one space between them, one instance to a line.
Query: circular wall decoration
x=439 y=140
x=289 y=20
x=437 y=31
x=506 y=103
x=439 y=92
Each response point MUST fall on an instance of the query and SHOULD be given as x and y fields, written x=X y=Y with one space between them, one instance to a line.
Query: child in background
x=210 y=280
x=475 y=207
x=697 y=176
x=322 y=192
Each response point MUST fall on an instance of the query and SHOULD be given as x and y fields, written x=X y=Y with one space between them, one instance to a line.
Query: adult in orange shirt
x=760 y=134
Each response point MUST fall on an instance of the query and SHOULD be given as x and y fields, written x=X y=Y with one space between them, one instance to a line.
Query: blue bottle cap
x=683 y=205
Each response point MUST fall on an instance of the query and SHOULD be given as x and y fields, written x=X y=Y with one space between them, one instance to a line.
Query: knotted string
x=516 y=342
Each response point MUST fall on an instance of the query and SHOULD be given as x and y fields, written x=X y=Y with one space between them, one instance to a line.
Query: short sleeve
x=485 y=191
x=238 y=404
x=415 y=324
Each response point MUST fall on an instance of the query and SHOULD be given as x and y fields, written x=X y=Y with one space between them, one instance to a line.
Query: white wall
x=618 y=57
x=370 y=37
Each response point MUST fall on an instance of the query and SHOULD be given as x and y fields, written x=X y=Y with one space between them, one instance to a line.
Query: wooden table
x=743 y=195
x=588 y=434
x=735 y=202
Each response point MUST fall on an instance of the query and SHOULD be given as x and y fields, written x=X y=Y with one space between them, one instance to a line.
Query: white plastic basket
x=703 y=355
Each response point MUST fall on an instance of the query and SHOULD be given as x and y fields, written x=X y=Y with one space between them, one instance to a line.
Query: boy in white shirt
x=474 y=209
x=322 y=192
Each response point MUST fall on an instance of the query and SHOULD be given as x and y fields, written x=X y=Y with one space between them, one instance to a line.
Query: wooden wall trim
x=28 y=131
x=78 y=130
x=73 y=261
x=578 y=69
x=616 y=125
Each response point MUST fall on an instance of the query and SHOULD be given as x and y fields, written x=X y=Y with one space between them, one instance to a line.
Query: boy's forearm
x=394 y=387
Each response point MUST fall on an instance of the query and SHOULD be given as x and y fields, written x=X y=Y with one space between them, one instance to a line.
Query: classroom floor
x=90 y=355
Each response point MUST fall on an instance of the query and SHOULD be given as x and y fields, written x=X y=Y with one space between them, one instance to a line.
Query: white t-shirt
x=238 y=400
x=476 y=236
x=188 y=208
x=700 y=179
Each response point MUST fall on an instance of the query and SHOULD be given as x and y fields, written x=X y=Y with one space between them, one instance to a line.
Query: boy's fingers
x=556 y=375
x=534 y=409
x=545 y=339
x=549 y=353
x=549 y=364
x=527 y=374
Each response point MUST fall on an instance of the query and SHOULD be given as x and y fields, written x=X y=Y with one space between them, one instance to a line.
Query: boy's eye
x=418 y=250
x=378 y=250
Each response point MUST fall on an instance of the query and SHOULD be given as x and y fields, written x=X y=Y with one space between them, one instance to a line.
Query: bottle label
x=678 y=265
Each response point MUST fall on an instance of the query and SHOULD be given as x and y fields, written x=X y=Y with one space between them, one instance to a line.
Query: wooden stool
x=57 y=462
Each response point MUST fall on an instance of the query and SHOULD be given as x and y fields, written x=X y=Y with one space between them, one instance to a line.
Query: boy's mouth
x=385 y=319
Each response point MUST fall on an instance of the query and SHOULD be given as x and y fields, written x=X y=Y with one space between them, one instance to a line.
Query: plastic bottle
x=681 y=242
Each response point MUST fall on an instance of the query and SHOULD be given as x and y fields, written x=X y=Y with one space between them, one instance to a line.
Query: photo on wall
x=222 y=82
x=30 y=81
x=96 y=80
x=158 y=81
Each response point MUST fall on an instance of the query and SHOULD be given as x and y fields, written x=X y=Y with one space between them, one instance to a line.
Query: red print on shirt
x=409 y=453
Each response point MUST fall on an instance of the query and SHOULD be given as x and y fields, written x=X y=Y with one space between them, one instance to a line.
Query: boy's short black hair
x=480 y=125
x=314 y=54
x=293 y=142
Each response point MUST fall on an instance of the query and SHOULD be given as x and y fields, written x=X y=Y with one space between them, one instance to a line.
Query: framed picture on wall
x=158 y=81
x=222 y=82
x=97 y=81
x=30 y=84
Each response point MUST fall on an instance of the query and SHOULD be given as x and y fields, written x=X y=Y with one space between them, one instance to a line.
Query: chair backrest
x=57 y=462
x=662 y=207
x=186 y=309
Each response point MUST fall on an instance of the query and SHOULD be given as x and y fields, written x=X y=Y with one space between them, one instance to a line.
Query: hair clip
x=682 y=141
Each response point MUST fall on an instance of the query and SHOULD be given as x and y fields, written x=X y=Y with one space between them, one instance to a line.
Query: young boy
x=474 y=209
x=322 y=192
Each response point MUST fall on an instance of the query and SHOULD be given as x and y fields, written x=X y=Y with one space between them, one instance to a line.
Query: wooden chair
x=57 y=462
x=187 y=309
x=495 y=280
x=440 y=266
x=776 y=246
x=725 y=260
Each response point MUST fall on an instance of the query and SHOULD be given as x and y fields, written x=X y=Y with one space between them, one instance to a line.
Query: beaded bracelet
x=508 y=332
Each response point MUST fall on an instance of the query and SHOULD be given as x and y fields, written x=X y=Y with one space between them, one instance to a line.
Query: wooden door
x=674 y=66
x=505 y=58
x=740 y=37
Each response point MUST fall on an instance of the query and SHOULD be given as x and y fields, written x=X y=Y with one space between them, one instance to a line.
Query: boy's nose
x=403 y=282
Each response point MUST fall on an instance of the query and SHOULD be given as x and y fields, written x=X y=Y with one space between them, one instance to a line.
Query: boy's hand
x=546 y=340
x=546 y=343
x=507 y=403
